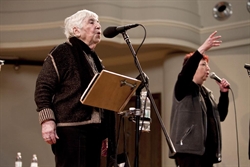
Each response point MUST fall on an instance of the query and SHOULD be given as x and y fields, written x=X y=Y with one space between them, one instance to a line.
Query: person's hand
x=104 y=150
x=49 y=132
x=224 y=85
x=211 y=41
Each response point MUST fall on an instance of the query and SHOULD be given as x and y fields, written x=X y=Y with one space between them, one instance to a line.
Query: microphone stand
x=144 y=82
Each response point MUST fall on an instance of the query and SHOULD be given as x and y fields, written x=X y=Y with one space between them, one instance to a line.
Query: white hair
x=76 y=20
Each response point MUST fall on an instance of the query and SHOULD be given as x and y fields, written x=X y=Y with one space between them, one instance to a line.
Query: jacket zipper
x=186 y=133
x=218 y=154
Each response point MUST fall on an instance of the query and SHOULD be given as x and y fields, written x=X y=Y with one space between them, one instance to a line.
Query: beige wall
x=173 y=27
x=20 y=130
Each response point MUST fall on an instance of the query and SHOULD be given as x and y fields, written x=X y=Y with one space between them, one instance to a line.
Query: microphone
x=247 y=66
x=216 y=78
x=111 y=32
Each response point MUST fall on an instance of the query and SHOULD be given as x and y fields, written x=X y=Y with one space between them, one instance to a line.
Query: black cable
x=236 y=129
x=137 y=50
x=142 y=39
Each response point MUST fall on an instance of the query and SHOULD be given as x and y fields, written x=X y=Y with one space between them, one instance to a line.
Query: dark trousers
x=78 y=146
x=191 y=160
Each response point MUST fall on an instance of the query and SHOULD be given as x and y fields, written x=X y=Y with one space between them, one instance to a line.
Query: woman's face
x=90 y=33
x=202 y=72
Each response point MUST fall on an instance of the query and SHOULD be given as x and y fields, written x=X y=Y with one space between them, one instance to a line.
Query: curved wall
x=25 y=21
x=181 y=24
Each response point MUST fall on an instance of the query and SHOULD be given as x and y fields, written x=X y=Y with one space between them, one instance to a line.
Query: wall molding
x=151 y=39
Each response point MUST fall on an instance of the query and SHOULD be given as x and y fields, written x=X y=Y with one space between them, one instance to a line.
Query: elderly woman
x=75 y=131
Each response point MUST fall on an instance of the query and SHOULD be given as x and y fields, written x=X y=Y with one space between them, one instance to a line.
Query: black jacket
x=191 y=124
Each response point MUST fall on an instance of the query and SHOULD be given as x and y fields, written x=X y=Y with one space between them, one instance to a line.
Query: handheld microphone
x=215 y=77
x=247 y=66
x=111 y=32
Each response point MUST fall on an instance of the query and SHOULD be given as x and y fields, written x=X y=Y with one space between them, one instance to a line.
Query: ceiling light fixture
x=222 y=11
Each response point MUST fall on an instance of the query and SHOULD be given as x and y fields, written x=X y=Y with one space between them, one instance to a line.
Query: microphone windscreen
x=110 y=32
x=212 y=75
x=215 y=77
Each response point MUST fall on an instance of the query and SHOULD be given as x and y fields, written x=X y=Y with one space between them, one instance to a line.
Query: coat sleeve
x=46 y=85
x=223 y=105
x=186 y=75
